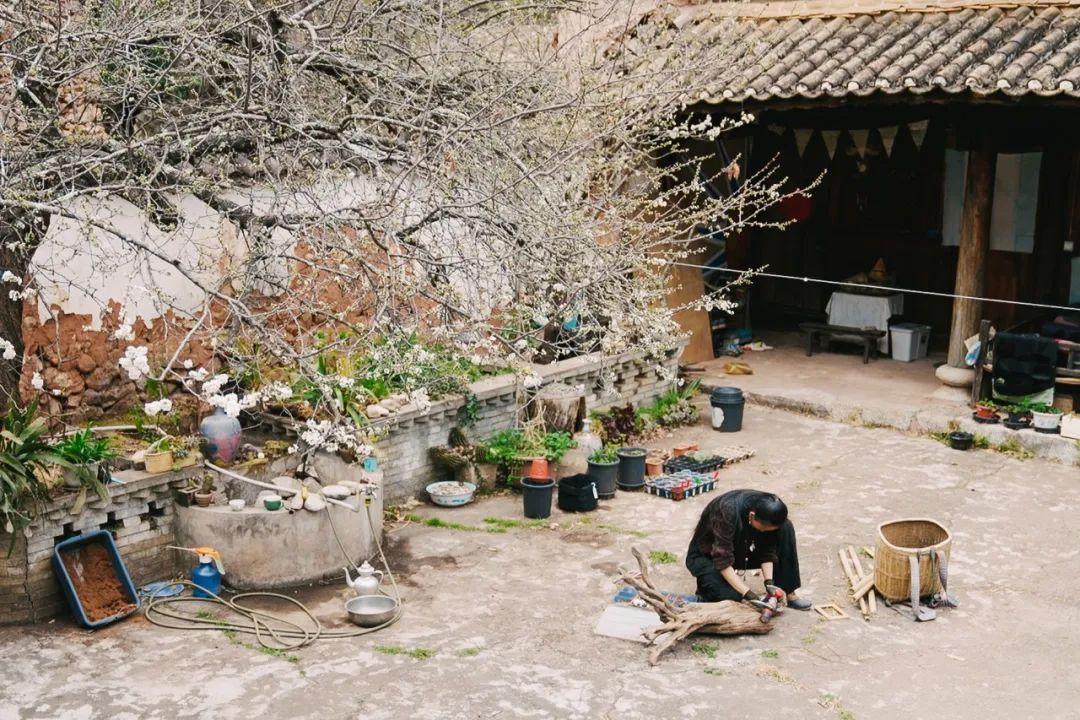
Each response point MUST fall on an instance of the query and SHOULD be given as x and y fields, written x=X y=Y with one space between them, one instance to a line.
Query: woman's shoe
x=800 y=604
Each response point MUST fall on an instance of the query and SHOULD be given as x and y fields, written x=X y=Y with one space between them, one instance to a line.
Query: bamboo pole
x=850 y=572
x=857 y=564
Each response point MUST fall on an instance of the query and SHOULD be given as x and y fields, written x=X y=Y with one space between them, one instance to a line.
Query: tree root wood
x=726 y=617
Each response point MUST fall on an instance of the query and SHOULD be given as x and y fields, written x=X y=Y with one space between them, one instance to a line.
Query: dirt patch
x=99 y=589
x=587 y=536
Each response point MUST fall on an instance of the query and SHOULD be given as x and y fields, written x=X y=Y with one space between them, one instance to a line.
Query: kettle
x=367 y=580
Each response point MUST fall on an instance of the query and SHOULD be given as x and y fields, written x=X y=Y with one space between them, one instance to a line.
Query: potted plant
x=1045 y=418
x=986 y=411
x=1019 y=416
x=205 y=492
x=631 y=468
x=556 y=445
x=159 y=456
x=84 y=454
x=184 y=496
x=505 y=449
x=603 y=469
x=185 y=451
x=25 y=461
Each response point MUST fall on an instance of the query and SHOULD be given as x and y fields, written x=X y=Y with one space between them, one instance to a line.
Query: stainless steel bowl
x=371 y=610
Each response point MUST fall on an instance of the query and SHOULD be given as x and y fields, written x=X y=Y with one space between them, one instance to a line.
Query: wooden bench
x=867 y=336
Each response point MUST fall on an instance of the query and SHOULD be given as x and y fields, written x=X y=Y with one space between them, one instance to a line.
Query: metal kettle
x=367 y=580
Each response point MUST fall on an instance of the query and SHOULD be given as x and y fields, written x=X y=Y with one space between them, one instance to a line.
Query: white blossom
x=420 y=399
x=164 y=405
x=277 y=391
x=230 y=403
x=37 y=382
x=345 y=381
x=532 y=381
x=7 y=350
x=134 y=362
x=199 y=374
x=188 y=364
x=124 y=332
x=214 y=384
x=9 y=277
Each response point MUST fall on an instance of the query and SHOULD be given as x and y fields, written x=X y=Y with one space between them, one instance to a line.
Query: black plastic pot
x=631 y=468
x=577 y=493
x=961 y=440
x=1016 y=421
x=536 y=497
x=727 y=409
x=604 y=475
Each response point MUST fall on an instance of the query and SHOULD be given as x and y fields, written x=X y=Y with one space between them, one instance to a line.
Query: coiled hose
x=271 y=631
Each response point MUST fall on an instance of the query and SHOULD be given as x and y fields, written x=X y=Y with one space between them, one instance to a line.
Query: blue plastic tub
x=95 y=536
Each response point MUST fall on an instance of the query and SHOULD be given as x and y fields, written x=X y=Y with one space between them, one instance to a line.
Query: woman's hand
x=753 y=598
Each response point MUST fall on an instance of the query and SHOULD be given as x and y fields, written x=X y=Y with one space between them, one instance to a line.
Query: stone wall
x=406 y=462
x=403 y=450
x=139 y=514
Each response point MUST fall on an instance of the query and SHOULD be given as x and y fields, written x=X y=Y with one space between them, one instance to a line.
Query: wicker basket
x=897 y=541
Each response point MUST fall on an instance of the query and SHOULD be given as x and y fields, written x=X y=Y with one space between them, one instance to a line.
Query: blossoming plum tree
x=490 y=175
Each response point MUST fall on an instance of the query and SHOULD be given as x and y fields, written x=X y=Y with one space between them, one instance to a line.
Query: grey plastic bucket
x=727 y=409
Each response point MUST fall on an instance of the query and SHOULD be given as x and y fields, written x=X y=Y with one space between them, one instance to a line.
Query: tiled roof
x=823 y=49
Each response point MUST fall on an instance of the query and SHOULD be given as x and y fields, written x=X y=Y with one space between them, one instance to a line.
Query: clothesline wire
x=845 y=283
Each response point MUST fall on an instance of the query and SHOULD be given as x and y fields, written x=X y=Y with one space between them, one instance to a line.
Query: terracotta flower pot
x=203 y=499
x=537 y=468
x=654 y=466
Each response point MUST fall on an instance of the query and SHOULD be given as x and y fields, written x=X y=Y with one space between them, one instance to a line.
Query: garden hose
x=272 y=631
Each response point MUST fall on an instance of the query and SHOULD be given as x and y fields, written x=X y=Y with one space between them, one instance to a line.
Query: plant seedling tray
x=680 y=485
x=100 y=537
x=684 y=463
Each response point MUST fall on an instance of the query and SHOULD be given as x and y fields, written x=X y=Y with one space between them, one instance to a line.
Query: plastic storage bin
x=101 y=537
x=909 y=341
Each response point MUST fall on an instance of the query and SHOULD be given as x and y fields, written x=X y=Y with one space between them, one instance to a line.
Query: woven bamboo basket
x=898 y=540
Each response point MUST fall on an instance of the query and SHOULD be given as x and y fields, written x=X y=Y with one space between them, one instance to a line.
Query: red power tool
x=770 y=605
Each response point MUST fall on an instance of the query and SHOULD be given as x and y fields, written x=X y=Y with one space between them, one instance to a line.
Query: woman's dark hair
x=767 y=508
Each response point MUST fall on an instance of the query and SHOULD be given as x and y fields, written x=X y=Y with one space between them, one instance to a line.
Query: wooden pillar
x=974 y=246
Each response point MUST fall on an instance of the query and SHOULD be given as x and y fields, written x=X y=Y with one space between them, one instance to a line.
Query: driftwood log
x=561 y=407
x=726 y=617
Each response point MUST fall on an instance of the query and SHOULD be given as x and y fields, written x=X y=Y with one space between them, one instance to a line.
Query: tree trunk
x=974 y=247
x=17 y=245
x=562 y=407
x=726 y=617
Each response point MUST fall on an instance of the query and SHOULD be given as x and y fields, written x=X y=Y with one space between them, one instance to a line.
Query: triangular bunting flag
x=918 y=132
x=831 y=137
x=860 y=137
x=802 y=139
x=888 y=136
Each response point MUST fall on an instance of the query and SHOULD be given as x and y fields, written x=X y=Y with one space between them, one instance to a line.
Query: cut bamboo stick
x=865 y=585
x=856 y=562
x=850 y=572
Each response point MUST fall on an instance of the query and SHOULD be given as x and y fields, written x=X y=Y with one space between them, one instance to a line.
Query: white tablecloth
x=865 y=311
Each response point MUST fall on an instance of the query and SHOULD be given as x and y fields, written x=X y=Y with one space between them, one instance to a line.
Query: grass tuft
x=662 y=557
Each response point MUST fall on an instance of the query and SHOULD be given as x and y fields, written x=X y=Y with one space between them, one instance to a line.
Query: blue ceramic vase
x=222 y=435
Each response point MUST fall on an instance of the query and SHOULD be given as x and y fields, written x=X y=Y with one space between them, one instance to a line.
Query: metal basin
x=371 y=610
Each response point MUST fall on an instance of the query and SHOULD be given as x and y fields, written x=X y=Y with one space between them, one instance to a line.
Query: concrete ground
x=501 y=625
x=884 y=392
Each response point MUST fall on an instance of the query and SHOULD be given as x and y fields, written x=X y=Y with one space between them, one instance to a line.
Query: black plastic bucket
x=577 y=493
x=604 y=475
x=536 y=497
x=631 y=468
x=727 y=409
